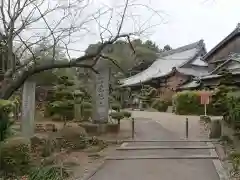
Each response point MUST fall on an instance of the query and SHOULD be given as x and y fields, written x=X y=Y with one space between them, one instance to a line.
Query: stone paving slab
x=139 y=170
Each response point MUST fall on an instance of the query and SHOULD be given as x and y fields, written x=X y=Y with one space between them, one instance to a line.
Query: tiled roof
x=165 y=63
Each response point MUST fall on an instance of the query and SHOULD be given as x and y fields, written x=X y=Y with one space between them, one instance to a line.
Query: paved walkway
x=153 y=159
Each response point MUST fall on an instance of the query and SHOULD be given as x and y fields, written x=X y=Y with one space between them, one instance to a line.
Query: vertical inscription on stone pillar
x=28 y=109
x=101 y=94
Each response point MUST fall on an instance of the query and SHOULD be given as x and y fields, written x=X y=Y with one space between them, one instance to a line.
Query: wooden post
x=205 y=109
x=133 y=128
x=186 y=128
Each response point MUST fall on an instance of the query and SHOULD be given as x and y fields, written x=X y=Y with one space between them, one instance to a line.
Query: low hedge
x=189 y=103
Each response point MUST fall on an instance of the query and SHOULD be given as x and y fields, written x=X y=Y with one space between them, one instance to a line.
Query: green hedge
x=189 y=103
x=233 y=109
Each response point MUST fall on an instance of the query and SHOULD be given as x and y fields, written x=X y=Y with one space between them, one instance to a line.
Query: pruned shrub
x=116 y=107
x=127 y=114
x=160 y=105
x=117 y=116
x=86 y=105
x=15 y=156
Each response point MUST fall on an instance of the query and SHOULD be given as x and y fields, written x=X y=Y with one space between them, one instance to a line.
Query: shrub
x=219 y=100
x=189 y=103
x=127 y=114
x=5 y=108
x=160 y=105
x=15 y=156
x=116 y=107
x=48 y=173
x=86 y=105
x=233 y=108
x=235 y=160
x=117 y=115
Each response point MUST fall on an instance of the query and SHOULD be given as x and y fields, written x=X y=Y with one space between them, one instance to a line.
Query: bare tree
x=58 y=21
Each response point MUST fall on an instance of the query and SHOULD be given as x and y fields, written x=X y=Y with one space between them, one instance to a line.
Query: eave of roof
x=234 y=33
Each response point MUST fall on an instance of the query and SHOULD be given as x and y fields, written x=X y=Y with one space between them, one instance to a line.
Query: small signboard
x=205 y=99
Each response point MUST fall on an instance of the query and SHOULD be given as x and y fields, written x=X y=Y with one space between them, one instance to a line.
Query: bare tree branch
x=20 y=17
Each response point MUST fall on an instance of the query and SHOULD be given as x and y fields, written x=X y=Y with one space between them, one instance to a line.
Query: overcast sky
x=192 y=20
x=187 y=21
x=180 y=22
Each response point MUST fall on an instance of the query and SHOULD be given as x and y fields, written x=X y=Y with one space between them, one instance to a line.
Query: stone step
x=160 y=157
x=163 y=147
x=171 y=140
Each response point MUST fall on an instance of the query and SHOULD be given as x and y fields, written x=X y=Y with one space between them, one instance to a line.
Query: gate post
x=133 y=128
x=186 y=128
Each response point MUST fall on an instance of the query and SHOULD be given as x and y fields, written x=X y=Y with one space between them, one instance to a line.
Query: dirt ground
x=81 y=162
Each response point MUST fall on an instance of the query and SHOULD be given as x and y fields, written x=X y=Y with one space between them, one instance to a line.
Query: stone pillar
x=28 y=109
x=101 y=92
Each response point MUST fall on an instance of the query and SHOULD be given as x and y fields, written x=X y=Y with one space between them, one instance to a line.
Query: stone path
x=160 y=152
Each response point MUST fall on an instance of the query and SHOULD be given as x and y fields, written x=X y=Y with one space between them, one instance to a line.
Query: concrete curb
x=93 y=172
x=99 y=167
x=180 y=140
x=218 y=165
x=163 y=147
x=160 y=157
x=147 y=140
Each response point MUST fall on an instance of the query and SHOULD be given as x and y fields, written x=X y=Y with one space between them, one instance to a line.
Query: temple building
x=191 y=67
x=172 y=70
x=224 y=56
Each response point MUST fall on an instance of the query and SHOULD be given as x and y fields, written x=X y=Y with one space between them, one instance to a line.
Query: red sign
x=205 y=97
